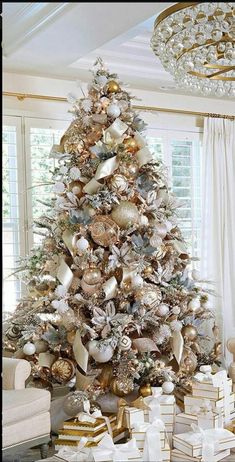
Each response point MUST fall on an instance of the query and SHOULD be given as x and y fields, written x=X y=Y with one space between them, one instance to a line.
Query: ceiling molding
x=28 y=19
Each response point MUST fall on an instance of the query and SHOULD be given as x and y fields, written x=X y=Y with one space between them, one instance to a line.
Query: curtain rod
x=22 y=96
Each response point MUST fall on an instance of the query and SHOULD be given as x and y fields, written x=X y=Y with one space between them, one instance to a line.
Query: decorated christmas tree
x=111 y=303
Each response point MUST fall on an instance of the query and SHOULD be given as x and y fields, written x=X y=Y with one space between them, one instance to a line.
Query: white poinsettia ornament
x=86 y=104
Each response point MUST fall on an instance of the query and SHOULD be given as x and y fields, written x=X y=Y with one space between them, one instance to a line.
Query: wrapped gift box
x=192 y=401
x=167 y=408
x=118 y=434
x=139 y=434
x=178 y=456
x=184 y=421
x=105 y=451
x=207 y=390
x=191 y=443
x=133 y=415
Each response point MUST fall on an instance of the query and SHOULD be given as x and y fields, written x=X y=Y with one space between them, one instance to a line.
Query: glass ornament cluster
x=197 y=46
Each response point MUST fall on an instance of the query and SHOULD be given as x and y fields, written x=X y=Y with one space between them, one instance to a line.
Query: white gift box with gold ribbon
x=107 y=451
x=204 y=443
x=178 y=456
x=183 y=422
x=208 y=390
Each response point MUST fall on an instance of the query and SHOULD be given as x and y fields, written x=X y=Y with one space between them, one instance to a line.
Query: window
x=181 y=152
x=26 y=179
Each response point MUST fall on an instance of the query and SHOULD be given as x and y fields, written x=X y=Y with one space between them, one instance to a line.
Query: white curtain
x=218 y=218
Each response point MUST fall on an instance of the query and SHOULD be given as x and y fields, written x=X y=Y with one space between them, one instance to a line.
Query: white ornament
x=60 y=305
x=29 y=349
x=137 y=281
x=59 y=187
x=113 y=111
x=74 y=173
x=167 y=387
x=144 y=220
x=206 y=368
x=163 y=309
x=176 y=310
x=125 y=343
x=82 y=244
x=194 y=304
x=100 y=355
x=169 y=225
x=63 y=169
x=101 y=80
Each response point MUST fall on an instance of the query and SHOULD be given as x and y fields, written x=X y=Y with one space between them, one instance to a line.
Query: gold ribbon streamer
x=92 y=186
x=106 y=168
x=80 y=352
x=177 y=345
x=122 y=404
x=110 y=288
x=64 y=274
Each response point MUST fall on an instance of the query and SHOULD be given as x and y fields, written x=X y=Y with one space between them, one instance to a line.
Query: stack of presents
x=154 y=431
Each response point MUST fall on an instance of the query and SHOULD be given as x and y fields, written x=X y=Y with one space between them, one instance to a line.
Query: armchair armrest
x=15 y=372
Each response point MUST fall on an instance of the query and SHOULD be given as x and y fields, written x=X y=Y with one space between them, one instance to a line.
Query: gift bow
x=122 y=404
x=120 y=452
x=89 y=417
x=152 y=443
x=154 y=404
x=209 y=443
x=77 y=454
x=205 y=409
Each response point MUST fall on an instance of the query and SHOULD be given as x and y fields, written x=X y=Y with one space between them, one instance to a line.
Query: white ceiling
x=62 y=40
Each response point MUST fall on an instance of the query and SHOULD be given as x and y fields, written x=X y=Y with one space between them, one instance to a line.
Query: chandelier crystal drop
x=195 y=42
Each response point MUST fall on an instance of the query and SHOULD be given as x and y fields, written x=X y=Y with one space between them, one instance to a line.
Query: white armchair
x=26 y=411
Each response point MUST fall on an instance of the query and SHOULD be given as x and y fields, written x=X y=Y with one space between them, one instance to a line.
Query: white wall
x=56 y=87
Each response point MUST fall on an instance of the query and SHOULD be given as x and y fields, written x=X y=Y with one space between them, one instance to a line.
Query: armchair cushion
x=15 y=373
x=23 y=404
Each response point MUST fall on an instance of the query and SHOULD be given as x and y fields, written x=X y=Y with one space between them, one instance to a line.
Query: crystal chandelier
x=195 y=42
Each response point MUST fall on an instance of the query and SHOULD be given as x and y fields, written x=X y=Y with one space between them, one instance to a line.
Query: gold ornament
x=105 y=376
x=14 y=332
x=92 y=276
x=130 y=145
x=218 y=349
x=148 y=270
x=76 y=188
x=89 y=289
x=119 y=183
x=145 y=390
x=104 y=231
x=125 y=214
x=63 y=370
x=189 y=332
x=149 y=295
x=188 y=362
x=121 y=387
x=112 y=87
x=71 y=336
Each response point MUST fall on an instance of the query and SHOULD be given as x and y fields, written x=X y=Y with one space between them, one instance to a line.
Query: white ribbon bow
x=209 y=443
x=77 y=454
x=117 y=453
x=154 y=403
x=89 y=417
x=152 y=443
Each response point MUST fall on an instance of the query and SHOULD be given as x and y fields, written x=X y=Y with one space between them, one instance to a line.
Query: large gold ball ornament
x=125 y=214
x=104 y=231
x=189 y=332
x=92 y=276
x=121 y=387
x=63 y=370
x=130 y=145
x=105 y=376
x=119 y=183
x=76 y=188
x=112 y=87
x=145 y=390
x=89 y=289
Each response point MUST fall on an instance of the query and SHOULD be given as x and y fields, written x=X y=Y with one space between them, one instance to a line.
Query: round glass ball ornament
x=29 y=349
x=125 y=214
